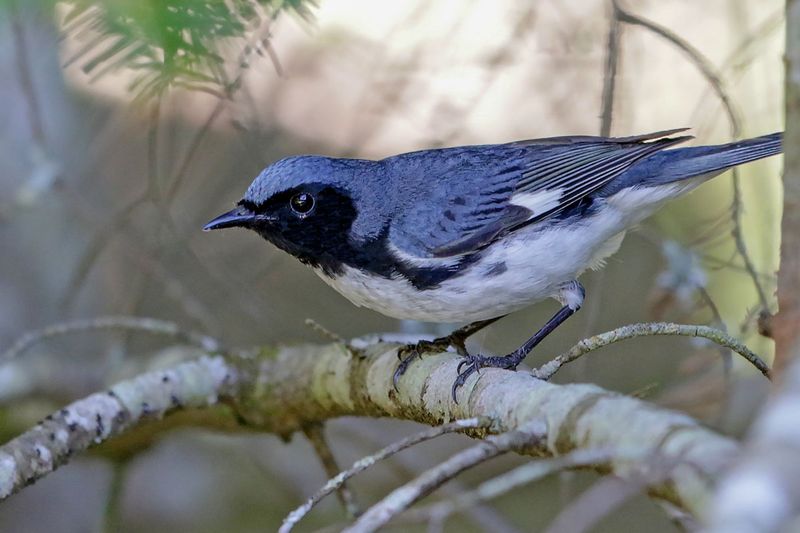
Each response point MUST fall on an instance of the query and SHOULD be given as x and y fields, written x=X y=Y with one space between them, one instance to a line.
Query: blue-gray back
x=454 y=201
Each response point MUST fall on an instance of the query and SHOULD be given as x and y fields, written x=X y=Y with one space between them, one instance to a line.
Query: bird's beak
x=238 y=217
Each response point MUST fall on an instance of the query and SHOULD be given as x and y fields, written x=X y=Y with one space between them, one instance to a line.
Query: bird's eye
x=302 y=203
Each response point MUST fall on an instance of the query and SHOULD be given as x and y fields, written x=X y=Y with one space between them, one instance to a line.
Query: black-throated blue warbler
x=472 y=233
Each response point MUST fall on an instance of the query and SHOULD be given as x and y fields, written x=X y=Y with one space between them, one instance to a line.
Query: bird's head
x=305 y=205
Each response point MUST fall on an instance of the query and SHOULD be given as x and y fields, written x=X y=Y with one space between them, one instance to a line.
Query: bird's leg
x=570 y=295
x=457 y=339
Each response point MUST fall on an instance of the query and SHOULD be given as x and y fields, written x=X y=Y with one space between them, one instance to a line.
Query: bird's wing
x=495 y=189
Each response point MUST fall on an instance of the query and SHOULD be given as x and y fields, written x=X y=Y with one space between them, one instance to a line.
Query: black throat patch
x=322 y=239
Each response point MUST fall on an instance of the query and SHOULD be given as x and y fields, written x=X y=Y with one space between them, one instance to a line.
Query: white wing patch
x=538 y=202
x=422 y=262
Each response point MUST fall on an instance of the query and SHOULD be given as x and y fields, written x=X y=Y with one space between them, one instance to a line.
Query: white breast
x=523 y=268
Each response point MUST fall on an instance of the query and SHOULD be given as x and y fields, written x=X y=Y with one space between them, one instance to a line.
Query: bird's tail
x=683 y=163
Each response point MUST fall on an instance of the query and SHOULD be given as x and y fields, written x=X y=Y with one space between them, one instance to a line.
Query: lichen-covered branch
x=107 y=414
x=283 y=390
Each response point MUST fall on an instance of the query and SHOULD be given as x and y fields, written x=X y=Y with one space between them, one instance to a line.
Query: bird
x=469 y=234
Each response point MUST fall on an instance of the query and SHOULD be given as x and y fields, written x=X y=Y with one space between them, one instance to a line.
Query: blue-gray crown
x=291 y=172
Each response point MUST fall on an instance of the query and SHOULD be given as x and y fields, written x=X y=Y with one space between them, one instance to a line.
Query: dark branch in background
x=602 y=498
x=528 y=436
x=43 y=171
x=738 y=60
x=25 y=80
x=112 y=520
x=359 y=466
x=610 y=72
x=260 y=37
x=709 y=73
x=97 y=245
x=725 y=354
x=505 y=483
x=594 y=305
x=315 y=433
x=785 y=328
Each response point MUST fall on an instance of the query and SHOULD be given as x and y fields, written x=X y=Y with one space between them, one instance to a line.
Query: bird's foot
x=473 y=363
x=411 y=352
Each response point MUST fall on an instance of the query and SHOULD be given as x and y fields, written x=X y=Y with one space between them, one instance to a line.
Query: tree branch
x=103 y=415
x=283 y=390
x=785 y=328
x=315 y=433
x=547 y=370
x=151 y=326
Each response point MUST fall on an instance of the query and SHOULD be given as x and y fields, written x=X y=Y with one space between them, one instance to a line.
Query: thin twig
x=261 y=35
x=505 y=483
x=603 y=497
x=738 y=238
x=727 y=357
x=153 y=186
x=322 y=330
x=710 y=74
x=403 y=497
x=111 y=515
x=151 y=194
x=547 y=370
x=194 y=145
x=25 y=79
x=362 y=464
x=130 y=323
x=700 y=61
x=409 y=465
x=613 y=47
x=610 y=73
x=682 y=520
x=102 y=238
x=163 y=201
x=315 y=433
x=738 y=60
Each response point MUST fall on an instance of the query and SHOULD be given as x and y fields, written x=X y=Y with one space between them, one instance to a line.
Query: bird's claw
x=467 y=360
x=411 y=352
x=473 y=363
x=405 y=362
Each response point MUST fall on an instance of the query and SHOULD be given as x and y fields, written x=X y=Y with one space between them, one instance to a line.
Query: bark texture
x=285 y=389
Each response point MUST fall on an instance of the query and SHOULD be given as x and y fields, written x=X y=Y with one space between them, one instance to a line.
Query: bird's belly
x=521 y=269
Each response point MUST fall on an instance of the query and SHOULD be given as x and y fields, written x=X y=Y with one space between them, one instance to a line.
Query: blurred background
x=125 y=126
